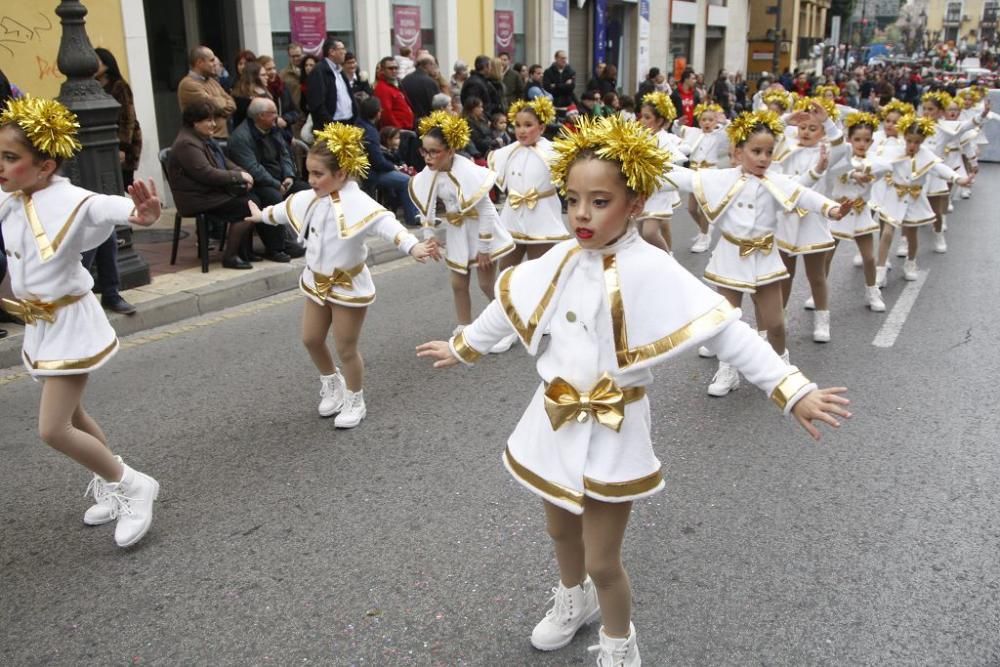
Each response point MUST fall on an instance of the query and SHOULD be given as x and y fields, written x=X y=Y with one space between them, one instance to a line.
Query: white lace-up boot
x=701 y=243
x=858 y=259
x=940 y=245
x=331 y=394
x=874 y=297
x=910 y=270
x=617 y=652
x=572 y=608
x=354 y=410
x=503 y=344
x=705 y=353
x=810 y=304
x=101 y=512
x=880 y=272
x=821 y=326
x=726 y=379
x=903 y=249
x=131 y=502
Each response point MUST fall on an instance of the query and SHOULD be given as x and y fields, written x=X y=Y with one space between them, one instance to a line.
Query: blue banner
x=561 y=7
x=600 y=30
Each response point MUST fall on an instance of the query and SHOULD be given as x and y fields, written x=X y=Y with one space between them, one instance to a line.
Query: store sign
x=503 y=31
x=308 y=21
x=406 y=27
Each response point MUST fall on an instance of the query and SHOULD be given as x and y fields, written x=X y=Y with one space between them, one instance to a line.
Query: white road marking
x=893 y=324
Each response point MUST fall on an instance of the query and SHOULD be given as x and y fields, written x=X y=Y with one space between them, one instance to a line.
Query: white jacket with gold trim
x=661 y=204
x=904 y=201
x=946 y=143
x=532 y=212
x=44 y=235
x=336 y=229
x=606 y=320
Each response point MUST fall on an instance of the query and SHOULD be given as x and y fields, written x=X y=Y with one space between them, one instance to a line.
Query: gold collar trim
x=346 y=231
x=46 y=248
x=526 y=330
x=699 y=195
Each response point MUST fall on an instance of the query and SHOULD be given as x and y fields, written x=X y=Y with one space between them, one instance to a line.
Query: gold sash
x=764 y=244
x=529 y=198
x=32 y=311
x=605 y=402
x=459 y=218
x=903 y=190
x=341 y=278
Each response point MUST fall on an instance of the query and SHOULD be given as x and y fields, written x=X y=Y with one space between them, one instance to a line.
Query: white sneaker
x=880 y=272
x=903 y=249
x=331 y=394
x=617 y=652
x=701 y=243
x=726 y=379
x=102 y=511
x=821 y=326
x=858 y=260
x=705 y=353
x=810 y=304
x=944 y=222
x=353 y=411
x=785 y=358
x=940 y=245
x=132 y=504
x=910 y=270
x=951 y=206
x=874 y=297
x=503 y=344
x=965 y=193
x=572 y=609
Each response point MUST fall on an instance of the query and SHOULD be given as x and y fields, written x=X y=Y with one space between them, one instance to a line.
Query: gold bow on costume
x=458 y=218
x=858 y=205
x=529 y=198
x=341 y=279
x=704 y=164
x=903 y=190
x=605 y=402
x=749 y=246
x=33 y=311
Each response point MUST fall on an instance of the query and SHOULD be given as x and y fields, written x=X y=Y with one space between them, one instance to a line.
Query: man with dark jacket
x=559 y=80
x=328 y=92
x=420 y=86
x=382 y=173
x=477 y=86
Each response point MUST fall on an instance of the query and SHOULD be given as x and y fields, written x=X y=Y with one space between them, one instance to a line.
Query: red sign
x=406 y=27
x=503 y=31
x=308 y=21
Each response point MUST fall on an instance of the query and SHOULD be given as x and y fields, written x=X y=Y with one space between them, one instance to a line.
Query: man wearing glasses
x=396 y=111
x=327 y=90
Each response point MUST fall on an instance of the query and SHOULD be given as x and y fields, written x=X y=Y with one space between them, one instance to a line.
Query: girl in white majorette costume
x=583 y=444
x=335 y=219
x=473 y=233
x=656 y=113
x=830 y=92
x=46 y=223
x=532 y=213
x=885 y=140
x=707 y=147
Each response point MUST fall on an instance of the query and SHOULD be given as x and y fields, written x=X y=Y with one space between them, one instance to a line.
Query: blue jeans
x=397 y=183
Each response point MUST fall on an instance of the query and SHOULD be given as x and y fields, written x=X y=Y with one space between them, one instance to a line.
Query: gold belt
x=529 y=198
x=605 y=402
x=903 y=190
x=701 y=165
x=31 y=311
x=459 y=218
x=858 y=205
x=341 y=278
x=748 y=246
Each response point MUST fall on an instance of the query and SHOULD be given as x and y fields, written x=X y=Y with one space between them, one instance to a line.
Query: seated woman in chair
x=203 y=180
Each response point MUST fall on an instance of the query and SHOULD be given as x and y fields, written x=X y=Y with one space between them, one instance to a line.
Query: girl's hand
x=147 y=203
x=822 y=405
x=484 y=261
x=798 y=117
x=966 y=181
x=425 y=249
x=255 y=214
x=842 y=210
x=986 y=109
x=824 y=159
x=861 y=178
x=817 y=110
x=440 y=352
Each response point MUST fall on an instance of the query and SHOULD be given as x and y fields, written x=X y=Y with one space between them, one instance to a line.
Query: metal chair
x=203 y=223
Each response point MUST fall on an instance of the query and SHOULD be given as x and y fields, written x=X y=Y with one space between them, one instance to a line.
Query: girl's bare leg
x=566 y=531
x=885 y=243
x=786 y=285
x=463 y=300
x=829 y=255
x=315 y=327
x=768 y=300
x=486 y=278
x=61 y=398
x=866 y=246
x=347 y=323
x=911 y=239
x=939 y=204
x=816 y=274
x=603 y=533
x=514 y=257
x=649 y=228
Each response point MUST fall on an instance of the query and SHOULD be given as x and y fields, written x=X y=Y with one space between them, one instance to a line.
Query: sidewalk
x=181 y=291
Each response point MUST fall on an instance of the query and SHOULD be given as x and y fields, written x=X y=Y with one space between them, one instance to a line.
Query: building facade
x=802 y=26
x=967 y=23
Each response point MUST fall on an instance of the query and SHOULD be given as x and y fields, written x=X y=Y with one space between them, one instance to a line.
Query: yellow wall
x=29 y=41
x=475 y=29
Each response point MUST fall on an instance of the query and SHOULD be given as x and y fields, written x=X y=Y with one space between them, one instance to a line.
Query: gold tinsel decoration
x=662 y=103
x=614 y=139
x=807 y=103
x=967 y=93
x=743 y=126
x=49 y=126
x=706 y=106
x=541 y=106
x=912 y=124
x=861 y=118
x=780 y=97
x=346 y=144
x=828 y=88
x=896 y=106
x=454 y=128
x=940 y=97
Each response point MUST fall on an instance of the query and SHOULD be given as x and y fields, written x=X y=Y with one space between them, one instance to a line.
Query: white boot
x=701 y=243
x=880 y=272
x=821 y=326
x=810 y=304
x=132 y=504
x=910 y=270
x=353 y=411
x=331 y=394
x=726 y=379
x=503 y=344
x=940 y=245
x=572 y=608
x=951 y=205
x=617 y=652
x=965 y=193
x=874 y=296
x=903 y=249
x=858 y=260
x=705 y=353
x=102 y=511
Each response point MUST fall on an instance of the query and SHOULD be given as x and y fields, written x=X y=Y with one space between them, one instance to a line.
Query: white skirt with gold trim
x=543 y=224
x=803 y=235
x=462 y=245
x=80 y=340
x=854 y=224
x=744 y=274
x=661 y=204
x=361 y=294
x=585 y=459
x=906 y=212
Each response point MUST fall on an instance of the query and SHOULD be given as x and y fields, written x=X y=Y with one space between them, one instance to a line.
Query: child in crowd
x=498 y=130
x=656 y=114
x=707 y=145
x=389 y=141
x=47 y=223
x=627 y=107
x=335 y=219
x=583 y=444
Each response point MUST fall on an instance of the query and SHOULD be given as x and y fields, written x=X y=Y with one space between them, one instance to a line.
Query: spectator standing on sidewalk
x=559 y=80
x=292 y=74
x=201 y=85
x=461 y=73
x=420 y=87
x=404 y=61
x=513 y=81
x=686 y=98
x=328 y=93
x=479 y=86
x=396 y=110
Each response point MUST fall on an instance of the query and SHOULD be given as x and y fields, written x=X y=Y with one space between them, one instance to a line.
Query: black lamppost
x=97 y=166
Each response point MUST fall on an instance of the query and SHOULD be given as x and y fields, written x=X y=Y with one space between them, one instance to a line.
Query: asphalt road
x=279 y=540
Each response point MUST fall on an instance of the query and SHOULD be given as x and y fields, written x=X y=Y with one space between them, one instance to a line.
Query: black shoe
x=117 y=304
x=279 y=256
x=236 y=263
x=250 y=257
x=294 y=250
x=3 y=333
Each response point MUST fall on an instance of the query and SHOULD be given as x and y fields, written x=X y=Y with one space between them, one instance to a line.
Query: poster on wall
x=642 y=61
x=560 y=25
x=308 y=20
x=406 y=27
x=503 y=31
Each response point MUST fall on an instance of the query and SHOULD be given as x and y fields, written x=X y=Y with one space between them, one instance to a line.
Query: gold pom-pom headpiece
x=911 y=124
x=541 y=106
x=662 y=103
x=706 y=107
x=939 y=97
x=346 y=144
x=780 y=97
x=807 y=104
x=896 y=106
x=49 y=126
x=967 y=94
x=626 y=142
x=744 y=125
x=454 y=128
x=861 y=118
x=828 y=88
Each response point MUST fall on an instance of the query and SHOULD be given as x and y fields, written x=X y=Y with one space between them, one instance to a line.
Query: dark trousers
x=106 y=255
x=273 y=238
